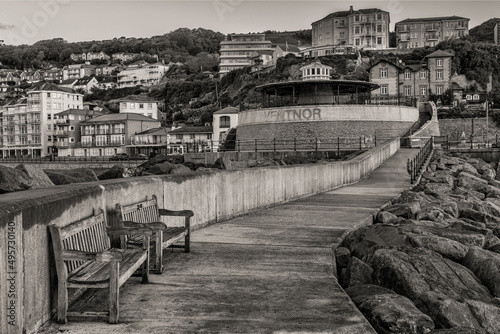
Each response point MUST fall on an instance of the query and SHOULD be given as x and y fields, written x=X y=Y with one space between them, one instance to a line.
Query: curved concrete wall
x=325 y=121
x=28 y=297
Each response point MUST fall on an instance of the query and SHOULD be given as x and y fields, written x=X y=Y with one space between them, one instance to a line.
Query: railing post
x=375 y=139
x=238 y=145
x=274 y=144
x=294 y=144
x=360 y=142
x=255 y=145
x=316 y=144
x=338 y=146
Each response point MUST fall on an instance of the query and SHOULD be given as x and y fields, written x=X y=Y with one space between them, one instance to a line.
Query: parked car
x=139 y=156
x=119 y=156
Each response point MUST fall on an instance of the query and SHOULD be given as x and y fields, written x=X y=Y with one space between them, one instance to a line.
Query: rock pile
x=431 y=261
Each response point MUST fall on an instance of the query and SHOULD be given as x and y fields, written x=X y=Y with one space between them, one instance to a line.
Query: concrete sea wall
x=28 y=282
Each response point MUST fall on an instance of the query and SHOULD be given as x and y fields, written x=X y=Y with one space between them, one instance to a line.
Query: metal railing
x=295 y=144
x=470 y=143
x=414 y=166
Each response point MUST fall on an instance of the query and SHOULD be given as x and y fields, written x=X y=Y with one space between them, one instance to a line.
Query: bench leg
x=145 y=265
x=187 y=223
x=159 y=252
x=114 y=293
x=62 y=302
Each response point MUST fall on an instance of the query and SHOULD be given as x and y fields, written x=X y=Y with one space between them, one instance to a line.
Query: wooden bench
x=147 y=212
x=84 y=259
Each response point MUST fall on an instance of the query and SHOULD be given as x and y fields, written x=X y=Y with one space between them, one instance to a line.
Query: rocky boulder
x=71 y=176
x=486 y=266
x=357 y=273
x=389 y=312
x=436 y=285
x=115 y=172
x=161 y=168
x=12 y=179
x=180 y=169
x=38 y=177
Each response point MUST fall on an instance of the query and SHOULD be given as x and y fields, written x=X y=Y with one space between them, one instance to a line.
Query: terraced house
x=413 y=82
x=429 y=31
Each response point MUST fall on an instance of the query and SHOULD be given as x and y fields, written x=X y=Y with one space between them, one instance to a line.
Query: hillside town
x=50 y=111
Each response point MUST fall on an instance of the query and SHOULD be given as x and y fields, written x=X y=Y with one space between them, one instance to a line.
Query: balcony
x=61 y=133
x=432 y=38
x=403 y=29
x=61 y=121
x=432 y=28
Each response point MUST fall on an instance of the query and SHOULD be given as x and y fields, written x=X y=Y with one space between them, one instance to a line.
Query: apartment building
x=150 y=141
x=236 y=52
x=67 y=129
x=88 y=56
x=109 y=134
x=140 y=105
x=363 y=28
x=190 y=139
x=141 y=74
x=403 y=82
x=77 y=71
x=429 y=31
x=29 y=126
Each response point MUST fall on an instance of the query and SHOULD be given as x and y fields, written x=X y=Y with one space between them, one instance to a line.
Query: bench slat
x=98 y=272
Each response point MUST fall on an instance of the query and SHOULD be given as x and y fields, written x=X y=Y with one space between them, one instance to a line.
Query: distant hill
x=484 y=31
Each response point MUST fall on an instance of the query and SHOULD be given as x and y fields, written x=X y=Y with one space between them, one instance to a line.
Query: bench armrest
x=155 y=226
x=179 y=213
x=104 y=256
x=122 y=230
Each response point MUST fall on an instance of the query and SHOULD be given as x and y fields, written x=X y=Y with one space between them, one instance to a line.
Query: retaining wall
x=28 y=282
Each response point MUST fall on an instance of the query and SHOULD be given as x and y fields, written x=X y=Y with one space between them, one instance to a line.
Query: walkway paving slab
x=268 y=272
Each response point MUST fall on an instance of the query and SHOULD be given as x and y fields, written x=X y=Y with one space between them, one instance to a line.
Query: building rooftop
x=346 y=13
x=48 y=86
x=439 y=54
x=155 y=131
x=121 y=117
x=227 y=110
x=289 y=47
x=192 y=129
x=137 y=98
x=431 y=19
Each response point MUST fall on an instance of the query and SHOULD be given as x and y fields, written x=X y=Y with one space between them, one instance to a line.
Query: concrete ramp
x=268 y=272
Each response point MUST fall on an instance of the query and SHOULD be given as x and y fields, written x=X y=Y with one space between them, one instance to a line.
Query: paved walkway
x=267 y=272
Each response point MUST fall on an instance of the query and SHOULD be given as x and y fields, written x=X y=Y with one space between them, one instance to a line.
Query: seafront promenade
x=271 y=271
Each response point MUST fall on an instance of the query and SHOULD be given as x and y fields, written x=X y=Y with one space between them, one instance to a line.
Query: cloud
x=6 y=26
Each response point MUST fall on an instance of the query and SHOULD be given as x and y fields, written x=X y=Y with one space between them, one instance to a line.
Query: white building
x=140 y=104
x=29 y=127
x=141 y=74
x=223 y=120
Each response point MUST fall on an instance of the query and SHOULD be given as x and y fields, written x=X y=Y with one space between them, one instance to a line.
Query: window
x=379 y=40
x=141 y=105
x=71 y=139
x=439 y=62
x=48 y=94
x=150 y=106
x=357 y=41
x=193 y=136
x=423 y=90
x=132 y=106
x=407 y=90
x=124 y=105
x=379 y=28
x=72 y=128
x=384 y=90
x=225 y=121
x=379 y=16
x=356 y=18
x=179 y=136
x=407 y=74
x=383 y=72
x=150 y=115
x=49 y=116
x=439 y=90
x=356 y=29
x=439 y=74
x=423 y=74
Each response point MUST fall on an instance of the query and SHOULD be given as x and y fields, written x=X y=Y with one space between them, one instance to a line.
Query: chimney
x=351 y=10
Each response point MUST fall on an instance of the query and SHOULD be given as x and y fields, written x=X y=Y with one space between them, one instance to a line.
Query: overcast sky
x=83 y=20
